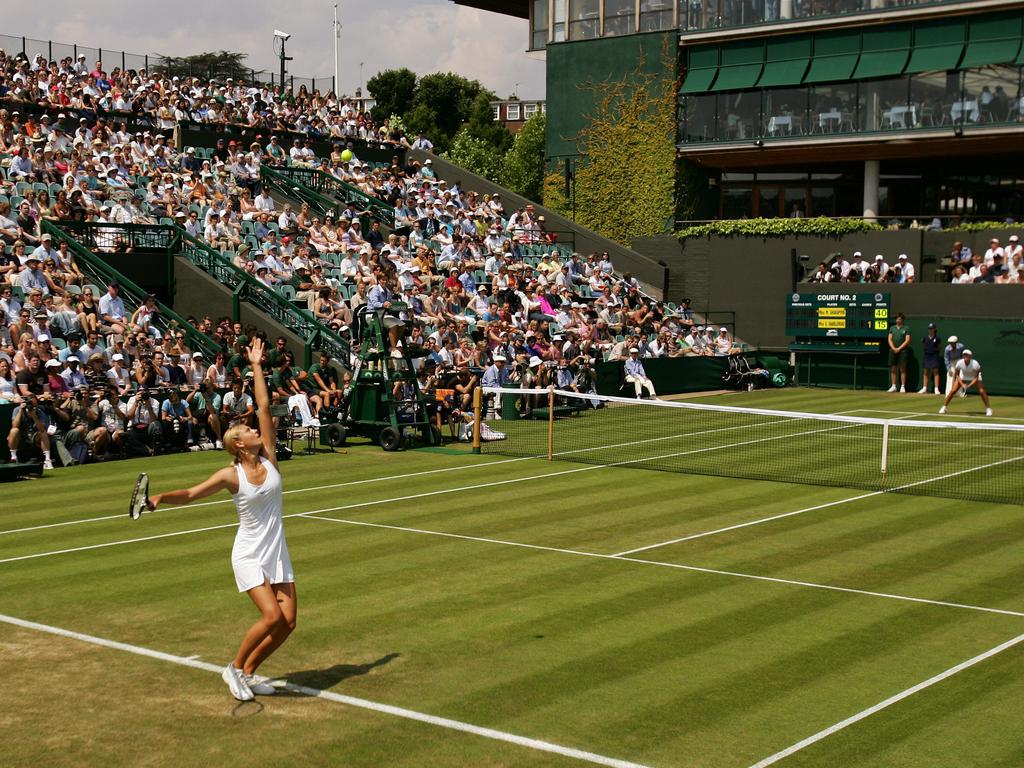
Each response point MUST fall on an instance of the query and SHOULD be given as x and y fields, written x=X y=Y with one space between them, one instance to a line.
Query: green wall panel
x=572 y=66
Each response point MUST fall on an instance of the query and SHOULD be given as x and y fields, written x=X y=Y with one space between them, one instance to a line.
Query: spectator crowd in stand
x=479 y=282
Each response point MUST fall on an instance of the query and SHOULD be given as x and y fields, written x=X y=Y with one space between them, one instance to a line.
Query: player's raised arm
x=259 y=385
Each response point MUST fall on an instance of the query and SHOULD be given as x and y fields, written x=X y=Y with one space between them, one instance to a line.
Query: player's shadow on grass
x=322 y=679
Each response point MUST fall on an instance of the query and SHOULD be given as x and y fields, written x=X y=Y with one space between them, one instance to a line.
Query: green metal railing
x=79 y=235
x=285 y=186
x=245 y=287
x=324 y=184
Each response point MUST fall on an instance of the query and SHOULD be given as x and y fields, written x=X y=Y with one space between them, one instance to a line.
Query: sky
x=424 y=35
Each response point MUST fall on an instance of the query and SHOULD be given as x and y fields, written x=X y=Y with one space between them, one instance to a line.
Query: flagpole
x=337 y=71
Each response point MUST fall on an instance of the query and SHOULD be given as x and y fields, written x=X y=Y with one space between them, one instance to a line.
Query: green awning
x=938 y=45
x=835 y=56
x=742 y=62
x=786 y=61
x=993 y=39
x=702 y=68
x=884 y=51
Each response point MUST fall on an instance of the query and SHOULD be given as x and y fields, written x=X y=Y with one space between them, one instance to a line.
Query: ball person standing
x=259 y=557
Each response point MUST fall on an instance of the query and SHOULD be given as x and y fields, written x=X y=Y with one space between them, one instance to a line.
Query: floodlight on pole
x=337 y=38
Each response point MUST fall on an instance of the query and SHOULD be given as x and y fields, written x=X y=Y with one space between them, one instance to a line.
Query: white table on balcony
x=968 y=108
x=902 y=116
x=780 y=124
x=830 y=122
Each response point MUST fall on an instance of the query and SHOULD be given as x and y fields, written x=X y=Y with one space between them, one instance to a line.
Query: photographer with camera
x=237 y=406
x=205 y=405
x=143 y=412
x=111 y=419
x=176 y=420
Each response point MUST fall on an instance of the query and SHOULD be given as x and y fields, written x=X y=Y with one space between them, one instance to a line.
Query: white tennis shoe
x=257 y=687
x=236 y=683
x=988 y=411
x=942 y=410
x=892 y=388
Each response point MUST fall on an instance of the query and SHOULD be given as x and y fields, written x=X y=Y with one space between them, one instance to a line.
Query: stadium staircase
x=201 y=280
x=84 y=240
x=324 y=193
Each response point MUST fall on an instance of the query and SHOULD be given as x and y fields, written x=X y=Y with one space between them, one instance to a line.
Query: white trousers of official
x=640 y=383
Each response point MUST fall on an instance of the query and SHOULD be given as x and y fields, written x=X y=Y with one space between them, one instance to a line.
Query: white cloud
x=424 y=35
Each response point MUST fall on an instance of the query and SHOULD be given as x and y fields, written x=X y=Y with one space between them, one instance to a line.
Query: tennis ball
x=347 y=155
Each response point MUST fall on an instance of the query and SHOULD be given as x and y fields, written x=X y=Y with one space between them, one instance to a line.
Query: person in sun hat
x=968 y=374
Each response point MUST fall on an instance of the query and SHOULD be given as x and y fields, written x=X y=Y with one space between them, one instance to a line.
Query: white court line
x=375 y=502
x=981 y=418
x=373 y=706
x=678 y=566
x=819 y=506
x=887 y=703
x=389 y=478
x=293 y=490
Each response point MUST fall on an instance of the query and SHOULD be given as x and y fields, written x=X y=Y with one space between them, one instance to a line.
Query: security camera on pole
x=279 y=40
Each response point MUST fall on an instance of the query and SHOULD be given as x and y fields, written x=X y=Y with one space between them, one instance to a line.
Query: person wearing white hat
x=637 y=376
x=968 y=374
x=950 y=356
x=907 y=272
x=723 y=344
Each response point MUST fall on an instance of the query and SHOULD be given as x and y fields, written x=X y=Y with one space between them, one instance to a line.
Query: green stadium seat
x=54 y=189
x=96 y=292
x=73 y=289
x=58 y=343
x=41 y=187
x=288 y=291
x=18 y=292
x=22 y=188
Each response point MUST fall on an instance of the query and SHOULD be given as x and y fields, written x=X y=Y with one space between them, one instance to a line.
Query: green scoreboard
x=842 y=317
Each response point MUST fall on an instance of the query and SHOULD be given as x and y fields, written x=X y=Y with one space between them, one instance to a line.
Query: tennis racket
x=140 y=497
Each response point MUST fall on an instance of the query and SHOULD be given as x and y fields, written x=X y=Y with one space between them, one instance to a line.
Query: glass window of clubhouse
x=943 y=74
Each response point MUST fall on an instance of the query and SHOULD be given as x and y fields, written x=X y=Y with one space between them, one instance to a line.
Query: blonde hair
x=230 y=440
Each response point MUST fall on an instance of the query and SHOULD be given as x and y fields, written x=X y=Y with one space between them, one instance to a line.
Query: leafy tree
x=522 y=169
x=421 y=119
x=475 y=155
x=393 y=90
x=451 y=98
x=482 y=125
x=218 y=65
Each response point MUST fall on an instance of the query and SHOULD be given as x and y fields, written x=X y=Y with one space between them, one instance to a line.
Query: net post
x=478 y=413
x=551 y=421
x=885 y=447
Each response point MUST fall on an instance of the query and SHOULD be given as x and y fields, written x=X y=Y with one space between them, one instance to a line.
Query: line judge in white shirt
x=968 y=374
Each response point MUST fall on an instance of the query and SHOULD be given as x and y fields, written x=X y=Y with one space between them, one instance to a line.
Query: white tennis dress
x=260 y=551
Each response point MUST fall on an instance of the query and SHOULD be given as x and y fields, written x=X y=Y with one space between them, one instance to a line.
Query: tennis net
x=971 y=461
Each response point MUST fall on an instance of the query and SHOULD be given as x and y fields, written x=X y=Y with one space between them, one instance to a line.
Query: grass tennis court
x=583 y=614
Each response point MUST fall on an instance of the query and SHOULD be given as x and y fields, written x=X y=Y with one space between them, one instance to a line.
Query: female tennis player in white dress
x=259 y=558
